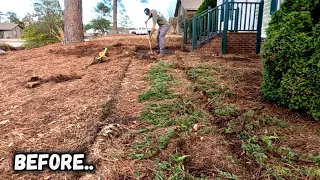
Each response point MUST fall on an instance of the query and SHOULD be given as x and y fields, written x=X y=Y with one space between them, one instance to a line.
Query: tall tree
x=49 y=12
x=73 y=28
x=115 y=4
x=1 y=16
x=126 y=22
x=173 y=21
x=100 y=23
x=12 y=17
x=102 y=9
x=171 y=8
x=44 y=30
x=27 y=20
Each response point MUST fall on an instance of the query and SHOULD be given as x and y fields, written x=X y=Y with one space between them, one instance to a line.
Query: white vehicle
x=140 y=31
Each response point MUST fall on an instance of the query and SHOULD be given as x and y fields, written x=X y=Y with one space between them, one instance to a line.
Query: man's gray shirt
x=157 y=17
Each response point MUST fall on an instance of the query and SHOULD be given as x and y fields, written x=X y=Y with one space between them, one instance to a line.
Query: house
x=10 y=30
x=185 y=9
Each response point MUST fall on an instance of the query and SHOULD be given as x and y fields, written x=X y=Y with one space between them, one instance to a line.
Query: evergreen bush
x=291 y=57
x=205 y=5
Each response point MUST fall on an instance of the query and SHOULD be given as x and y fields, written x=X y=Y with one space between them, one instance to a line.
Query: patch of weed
x=229 y=93
x=205 y=130
x=158 y=113
x=314 y=159
x=173 y=168
x=151 y=145
x=204 y=80
x=253 y=149
x=226 y=175
x=160 y=78
x=239 y=125
x=286 y=154
x=148 y=129
x=272 y=121
x=268 y=141
x=144 y=149
x=225 y=111
x=252 y=130
x=164 y=140
x=136 y=174
x=230 y=159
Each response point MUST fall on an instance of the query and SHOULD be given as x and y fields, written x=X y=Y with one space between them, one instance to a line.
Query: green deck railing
x=227 y=17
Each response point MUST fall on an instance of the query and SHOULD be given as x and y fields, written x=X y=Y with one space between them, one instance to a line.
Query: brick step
x=237 y=43
x=212 y=46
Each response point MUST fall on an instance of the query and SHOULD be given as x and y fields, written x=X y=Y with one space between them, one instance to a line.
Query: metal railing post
x=209 y=21
x=194 y=33
x=185 y=31
x=225 y=28
x=236 y=20
x=260 y=16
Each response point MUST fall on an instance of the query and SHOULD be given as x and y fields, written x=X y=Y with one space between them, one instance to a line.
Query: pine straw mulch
x=66 y=112
x=242 y=75
x=76 y=115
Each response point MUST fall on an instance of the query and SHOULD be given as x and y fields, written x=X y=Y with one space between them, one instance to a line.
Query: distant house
x=185 y=9
x=10 y=30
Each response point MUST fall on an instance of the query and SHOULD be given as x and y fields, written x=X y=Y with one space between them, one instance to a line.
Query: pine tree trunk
x=115 y=11
x=73 y=28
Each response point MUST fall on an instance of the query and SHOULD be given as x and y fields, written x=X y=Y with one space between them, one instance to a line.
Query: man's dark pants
x=161 y=37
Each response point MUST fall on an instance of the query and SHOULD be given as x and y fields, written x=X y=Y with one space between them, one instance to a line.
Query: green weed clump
x=160 y=80
x=173 y=168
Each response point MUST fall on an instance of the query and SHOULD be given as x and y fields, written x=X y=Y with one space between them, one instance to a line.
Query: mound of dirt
x=62 y=78
x=36 y=81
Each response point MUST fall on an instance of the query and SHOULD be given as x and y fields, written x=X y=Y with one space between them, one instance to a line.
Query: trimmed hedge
x=205 y=5
x=291 y=57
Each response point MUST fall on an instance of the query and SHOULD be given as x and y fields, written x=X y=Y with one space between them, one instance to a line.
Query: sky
x=134 y=9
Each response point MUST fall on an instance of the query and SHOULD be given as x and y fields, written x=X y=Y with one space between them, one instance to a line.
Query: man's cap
x=146 y=11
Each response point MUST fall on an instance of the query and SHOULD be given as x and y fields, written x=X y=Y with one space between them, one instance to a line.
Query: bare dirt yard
x=138 y=116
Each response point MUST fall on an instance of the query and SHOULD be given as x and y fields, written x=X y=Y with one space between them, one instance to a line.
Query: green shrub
x=291 y=66
x=37 y=34
x=205 y=5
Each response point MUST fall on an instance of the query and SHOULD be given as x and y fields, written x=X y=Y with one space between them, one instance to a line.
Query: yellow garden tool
x=97 y=59
x=102 y=54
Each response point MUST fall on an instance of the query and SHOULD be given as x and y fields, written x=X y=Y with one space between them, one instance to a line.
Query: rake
x=149 y=39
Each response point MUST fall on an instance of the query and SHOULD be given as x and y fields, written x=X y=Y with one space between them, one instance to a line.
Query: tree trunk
x=73 y=28
x=115 y=11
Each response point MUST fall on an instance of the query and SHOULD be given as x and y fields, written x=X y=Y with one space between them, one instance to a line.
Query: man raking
x=157 y=17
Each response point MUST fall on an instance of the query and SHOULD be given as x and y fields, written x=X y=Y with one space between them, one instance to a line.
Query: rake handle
x=149 y=39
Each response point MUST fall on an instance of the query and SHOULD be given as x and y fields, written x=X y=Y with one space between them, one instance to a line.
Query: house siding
x=180 y=19
x=19 y=32
x=266 y=17
x=183 y=14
